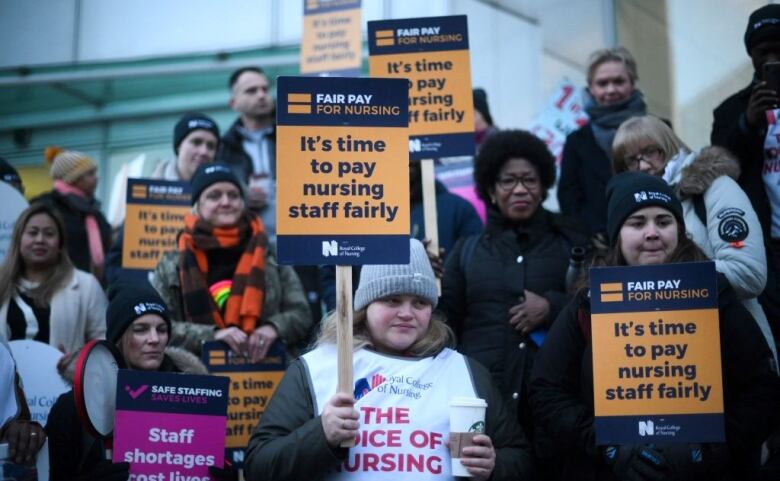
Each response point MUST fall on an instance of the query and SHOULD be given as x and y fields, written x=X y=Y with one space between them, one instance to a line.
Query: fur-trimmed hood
x=693 y=173
x=182 y=359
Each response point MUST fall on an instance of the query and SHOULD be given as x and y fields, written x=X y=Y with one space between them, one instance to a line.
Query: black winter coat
x=289 y=444
x=561 y=395
x=729 y=130
x=73 y=211
x=480 y=286
x=585 y=171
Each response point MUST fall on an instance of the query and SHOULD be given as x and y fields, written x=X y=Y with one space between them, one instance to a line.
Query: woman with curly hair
x=503 y=288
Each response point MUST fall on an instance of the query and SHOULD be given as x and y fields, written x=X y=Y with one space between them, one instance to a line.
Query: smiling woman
x=223 y=283
x=42 y=296
x=503 y=288
x=405 y=376
x=646 y=226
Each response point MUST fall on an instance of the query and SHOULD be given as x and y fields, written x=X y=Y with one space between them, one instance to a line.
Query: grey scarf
x=605 y=119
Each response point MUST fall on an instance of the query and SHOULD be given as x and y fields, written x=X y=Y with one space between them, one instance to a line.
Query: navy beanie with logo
x=631 y=191
x=190 y=122
x=208 y=174
x=127 y=303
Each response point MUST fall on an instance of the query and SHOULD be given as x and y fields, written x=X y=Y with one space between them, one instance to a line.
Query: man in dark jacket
x=740 y=125
x=249 y=146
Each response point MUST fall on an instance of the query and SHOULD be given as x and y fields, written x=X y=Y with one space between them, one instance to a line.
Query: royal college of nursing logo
x=646 y=428
x=363 y=386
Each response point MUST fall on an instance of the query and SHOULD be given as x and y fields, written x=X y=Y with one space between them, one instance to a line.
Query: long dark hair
x=13 y=268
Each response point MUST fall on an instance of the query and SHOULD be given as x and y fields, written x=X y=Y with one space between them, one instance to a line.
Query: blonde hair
x=437 y=337
x=617 y=54
x=636 y=131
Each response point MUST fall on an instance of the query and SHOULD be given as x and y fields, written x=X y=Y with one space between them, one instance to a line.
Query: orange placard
x=155 y=215
x=342 y=190
x=657 y=371
x=433 y=55
x=331 y=43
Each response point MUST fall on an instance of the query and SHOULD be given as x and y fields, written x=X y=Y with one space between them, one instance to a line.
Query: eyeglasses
x=509 y=183
x=647 y=154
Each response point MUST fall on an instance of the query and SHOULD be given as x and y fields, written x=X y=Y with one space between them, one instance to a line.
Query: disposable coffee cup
x=467 y=419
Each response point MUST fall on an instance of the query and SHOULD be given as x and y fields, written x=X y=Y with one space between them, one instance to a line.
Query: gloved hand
x=228 y=473
x=637 y=463
x=107 y=471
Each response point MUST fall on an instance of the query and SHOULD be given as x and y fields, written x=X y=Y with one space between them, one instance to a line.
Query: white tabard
x=404 y=411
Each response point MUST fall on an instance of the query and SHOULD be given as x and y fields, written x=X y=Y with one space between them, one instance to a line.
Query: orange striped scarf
x=244 y=306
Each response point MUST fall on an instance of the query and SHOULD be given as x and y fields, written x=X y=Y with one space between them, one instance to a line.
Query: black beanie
x=127 y=303
x=481 y=104
x=188 y=123
x=763 y=25
x=208 y=174
x=631 y=191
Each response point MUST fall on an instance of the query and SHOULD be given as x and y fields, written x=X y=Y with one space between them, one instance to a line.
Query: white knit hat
x=415 y=278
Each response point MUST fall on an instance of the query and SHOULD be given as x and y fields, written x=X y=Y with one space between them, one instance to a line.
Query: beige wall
x=691 y=56
x=642 y=29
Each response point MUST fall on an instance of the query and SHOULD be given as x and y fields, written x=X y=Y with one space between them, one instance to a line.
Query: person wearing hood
x=139 y=325
x=73 y=197
x=718 y=214
x=646 y=230
x=612 y=97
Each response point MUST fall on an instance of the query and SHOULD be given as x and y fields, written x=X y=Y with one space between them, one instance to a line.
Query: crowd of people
x=512 y=324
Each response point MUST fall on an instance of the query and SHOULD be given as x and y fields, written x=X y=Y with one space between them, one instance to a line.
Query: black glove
x=228 y=473
x=637 y=463
x=107 y=471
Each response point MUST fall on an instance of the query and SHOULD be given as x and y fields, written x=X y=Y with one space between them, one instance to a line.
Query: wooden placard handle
x=344 y=333
x=429 y=210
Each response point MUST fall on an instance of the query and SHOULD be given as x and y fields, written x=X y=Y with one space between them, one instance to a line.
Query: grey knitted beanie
x=415 y=278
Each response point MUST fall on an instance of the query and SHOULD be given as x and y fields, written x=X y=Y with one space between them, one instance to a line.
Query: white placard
x=36 y=364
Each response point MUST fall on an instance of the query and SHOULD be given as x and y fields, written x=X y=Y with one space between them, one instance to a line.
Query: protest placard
x=433 y=54
x=251 y=387
x=155 y=215
x=169 y=426
x=332 y=39
x=656 y=354
x=342 y=173
x=562 y=114
x=36 y=364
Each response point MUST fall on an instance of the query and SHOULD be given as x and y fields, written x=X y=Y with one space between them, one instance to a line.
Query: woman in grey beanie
x=405 y=376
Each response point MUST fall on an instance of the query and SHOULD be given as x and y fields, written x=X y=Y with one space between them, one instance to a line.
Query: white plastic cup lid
x=468 y=402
